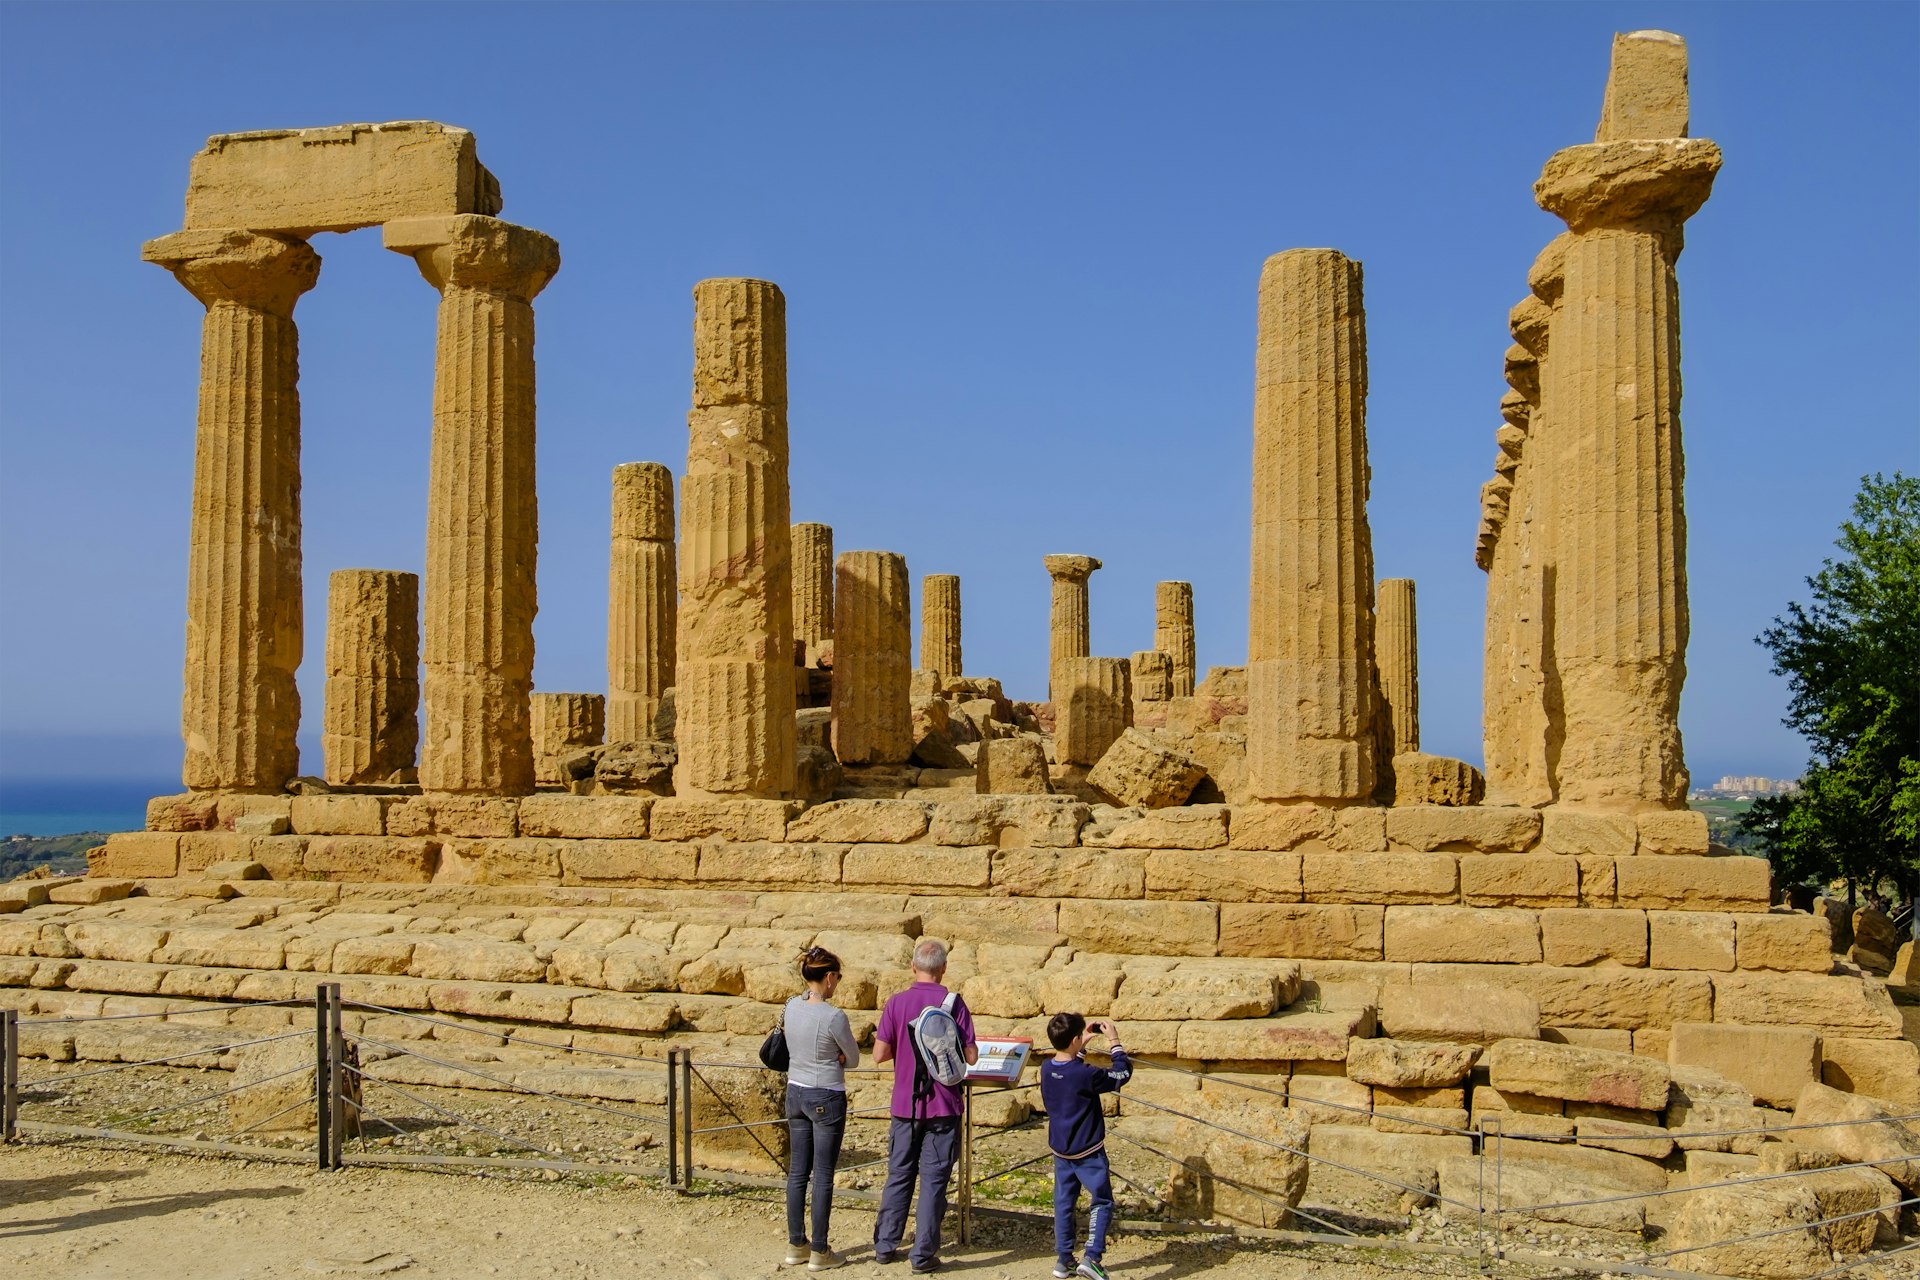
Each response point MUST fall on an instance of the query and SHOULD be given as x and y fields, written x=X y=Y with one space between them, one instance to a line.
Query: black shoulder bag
x=773 y=1050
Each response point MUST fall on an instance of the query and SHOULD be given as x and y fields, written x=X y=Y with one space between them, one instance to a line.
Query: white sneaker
x=825 y=1260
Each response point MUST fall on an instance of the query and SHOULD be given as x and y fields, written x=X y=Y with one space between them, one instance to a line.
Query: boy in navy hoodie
x=1070 y=1090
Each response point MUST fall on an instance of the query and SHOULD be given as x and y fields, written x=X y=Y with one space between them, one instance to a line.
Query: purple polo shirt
x=902 y=1008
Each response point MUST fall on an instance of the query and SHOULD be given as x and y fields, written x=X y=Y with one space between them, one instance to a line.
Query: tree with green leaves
x=1852 y=663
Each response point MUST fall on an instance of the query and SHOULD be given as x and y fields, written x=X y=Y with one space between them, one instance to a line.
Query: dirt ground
x=73 y=1211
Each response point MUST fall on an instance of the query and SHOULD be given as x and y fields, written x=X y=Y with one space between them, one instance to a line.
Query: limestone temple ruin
x=1257 y=871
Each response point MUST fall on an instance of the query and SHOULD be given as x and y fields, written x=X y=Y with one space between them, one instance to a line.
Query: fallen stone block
x=1139 y=770
x=1367 y=1171
x=1575 y=1074
x=1010 y=766
x=1885 y=1069
x=1860 y=1129
x=1422 y=779
x=1772 y=1063
x=1749 y=1231
x=1409 y=1064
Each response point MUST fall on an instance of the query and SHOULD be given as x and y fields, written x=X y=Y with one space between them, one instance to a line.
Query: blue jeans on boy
x=1069 y=1176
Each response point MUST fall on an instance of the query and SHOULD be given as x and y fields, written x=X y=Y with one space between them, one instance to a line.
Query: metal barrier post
x=336 y=1101
x=9 y=1074
x=686 y=1115
x=322 y=1079
x=673 y=1117
x=966 y=1162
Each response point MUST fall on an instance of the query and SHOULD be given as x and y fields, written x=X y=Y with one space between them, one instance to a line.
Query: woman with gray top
x=820 y=1048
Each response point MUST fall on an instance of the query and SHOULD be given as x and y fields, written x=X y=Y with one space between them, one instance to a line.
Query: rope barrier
x=155 y=1062
x=507 y=1086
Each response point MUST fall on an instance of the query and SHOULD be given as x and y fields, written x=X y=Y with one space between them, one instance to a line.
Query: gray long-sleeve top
x=818 y=1036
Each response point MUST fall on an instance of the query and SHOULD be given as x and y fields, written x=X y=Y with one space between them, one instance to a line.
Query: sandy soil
x=91 y=1211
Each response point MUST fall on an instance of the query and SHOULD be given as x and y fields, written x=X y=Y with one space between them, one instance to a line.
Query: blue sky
x=1020 y=245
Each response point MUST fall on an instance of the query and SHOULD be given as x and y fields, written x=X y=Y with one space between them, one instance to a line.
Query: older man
x=925 y=1137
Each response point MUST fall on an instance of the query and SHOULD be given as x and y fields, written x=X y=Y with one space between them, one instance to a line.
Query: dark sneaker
x=926 y=1266
x=886 y=1257
x=1092 y=1270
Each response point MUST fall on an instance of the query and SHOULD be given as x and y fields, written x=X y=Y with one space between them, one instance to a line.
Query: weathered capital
x=1650 y=184
x=1547 y=276
x=470 y=251
x=1528 y=322
x=1071 y=568
x=266 y=273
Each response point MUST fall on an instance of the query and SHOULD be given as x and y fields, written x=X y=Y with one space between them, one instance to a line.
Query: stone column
x=1520 y=702
x=940 y=624
x=1093 y=707
x=240 y=710
x=1620 y=593
x=1396 y=649
x=1310 y=713
x=371 y=725
x=1173 y=633
x=813 y=583
x=872 y=659
x=1152 y=676
x=735 y=691
x=563 y=724
x=482 y=522
x=1069 y=635
x=642 y=599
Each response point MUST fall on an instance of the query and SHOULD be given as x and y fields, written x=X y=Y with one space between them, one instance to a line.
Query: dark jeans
x=817 y=1119
x=1068 y=1177
x=923 y=1150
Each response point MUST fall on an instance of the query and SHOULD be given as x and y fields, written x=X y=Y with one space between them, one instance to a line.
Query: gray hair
x=930 y=955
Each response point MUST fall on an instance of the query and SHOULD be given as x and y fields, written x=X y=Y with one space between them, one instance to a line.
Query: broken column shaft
x=642 y=599
x=872 y=659
x=1396 y=649
x=370 y=725
x=813 y=583
x=1173 y=633
x=940 y=624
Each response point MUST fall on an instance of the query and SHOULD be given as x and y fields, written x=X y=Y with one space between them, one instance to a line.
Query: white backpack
x=938 y=1054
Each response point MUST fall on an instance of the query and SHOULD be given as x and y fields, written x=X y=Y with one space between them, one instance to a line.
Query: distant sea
x=62 y=806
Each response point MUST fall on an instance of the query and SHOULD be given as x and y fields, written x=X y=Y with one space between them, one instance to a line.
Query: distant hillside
x=66 y=855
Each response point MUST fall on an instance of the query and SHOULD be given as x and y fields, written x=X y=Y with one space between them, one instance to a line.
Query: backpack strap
x=946 y=1006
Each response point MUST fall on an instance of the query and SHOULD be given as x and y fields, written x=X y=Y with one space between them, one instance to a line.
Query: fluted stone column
x=1521 y=716
x=872 y=659
x=642 y=599
x=940 y=624
x=1173 y=633
x=371 y=723
x=1310 y=680
x=1620 y=597
x=563 y=724
x=240 y=710
x=1152 y=676
x=1092 y=707
x=1069 y=634
x=1396 y=649
x=735 y=691
x=813 y=583
x=482 y=522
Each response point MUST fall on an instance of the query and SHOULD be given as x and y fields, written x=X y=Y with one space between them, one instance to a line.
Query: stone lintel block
x=377 y=859
x=476 y=817
x=1884 y=1069
x=861 y=822
x=1840 y=1005
x=1572 y=831
x=679 y=818
x=1690 y=940
x=300 y=181
x=189 y=811
x=1303 y=931
x=1280 y=827
x=202 y=849
x=339 y=815
x=1290 y=1037
x=1383 y=878
x=1478 y=829
x=1410 y=1064
x=1585 y=997
x=917 y=866
x=1072 y=873
x=1222 y=875
x=1519 y=880
x=1142 y=928
x=1200 y=826
x=986 y=919
x=139 y=854
x=586 y=817
x=1458 y=1014
x=1694 y=884
x=1672 y=831
x=1575 y=1074
x=1471 y=935
x=517 y=860
x=1594 y=936
x=1783 y=941
x=1772 y=1063
x=756 y=863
